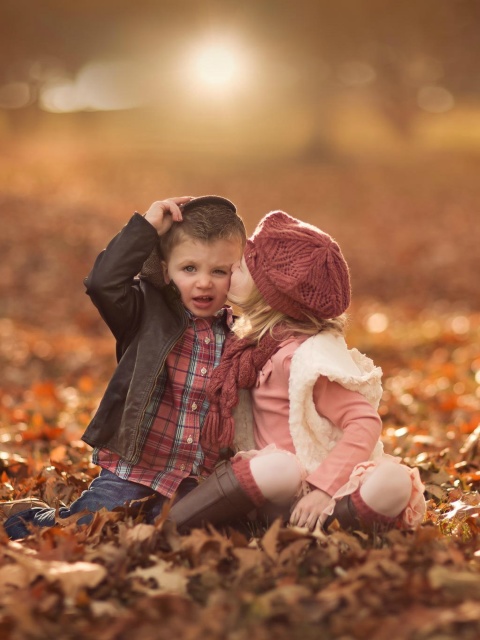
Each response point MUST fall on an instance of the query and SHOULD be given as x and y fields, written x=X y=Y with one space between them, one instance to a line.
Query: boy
x=170 y=325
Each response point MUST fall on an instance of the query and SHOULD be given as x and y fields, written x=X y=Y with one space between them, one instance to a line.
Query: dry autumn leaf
x=72 y=577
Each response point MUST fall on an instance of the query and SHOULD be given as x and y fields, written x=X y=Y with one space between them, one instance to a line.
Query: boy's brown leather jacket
x=146 y=322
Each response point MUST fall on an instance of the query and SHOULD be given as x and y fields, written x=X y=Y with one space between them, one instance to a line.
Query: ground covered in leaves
x=119 y=576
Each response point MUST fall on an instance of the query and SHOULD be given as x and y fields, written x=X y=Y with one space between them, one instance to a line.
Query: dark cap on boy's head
x=202 y=200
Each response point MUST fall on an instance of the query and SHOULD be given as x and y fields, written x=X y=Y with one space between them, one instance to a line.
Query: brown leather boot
x=217 y=500
x=353 y=514
x=345 y=514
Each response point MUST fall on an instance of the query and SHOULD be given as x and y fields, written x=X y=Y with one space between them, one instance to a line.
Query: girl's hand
x=163 y=213
x=307 y=512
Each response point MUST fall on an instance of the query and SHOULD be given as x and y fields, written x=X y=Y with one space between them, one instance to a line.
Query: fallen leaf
x=458 y=584
x=71 y=576
x=269 y=541
x=166 y=578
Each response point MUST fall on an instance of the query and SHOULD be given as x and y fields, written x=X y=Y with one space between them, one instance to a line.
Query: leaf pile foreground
x=118 y=575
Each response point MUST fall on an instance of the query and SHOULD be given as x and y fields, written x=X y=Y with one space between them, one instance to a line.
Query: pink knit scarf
x=241 y=361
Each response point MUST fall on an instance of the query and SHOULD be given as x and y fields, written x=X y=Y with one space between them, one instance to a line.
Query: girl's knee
x=278 y=476
x=394 y=477
x=388 y=488
x=281 y=464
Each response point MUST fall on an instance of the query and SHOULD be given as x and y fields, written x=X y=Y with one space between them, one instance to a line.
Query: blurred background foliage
x=362 y=117
x=310 y=79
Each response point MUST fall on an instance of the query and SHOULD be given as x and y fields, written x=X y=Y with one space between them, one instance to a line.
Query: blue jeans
x=106 y=491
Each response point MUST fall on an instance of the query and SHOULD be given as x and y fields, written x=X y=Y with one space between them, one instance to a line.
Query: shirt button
x=189 y=439
x=203 y=371
x=207 y=340
x=182 y=467
x=194 y=406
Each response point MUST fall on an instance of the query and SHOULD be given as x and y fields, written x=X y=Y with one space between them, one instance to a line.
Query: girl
x=305 y=424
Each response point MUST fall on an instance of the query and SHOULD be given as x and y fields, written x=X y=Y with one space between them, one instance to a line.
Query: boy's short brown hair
x=206 y=219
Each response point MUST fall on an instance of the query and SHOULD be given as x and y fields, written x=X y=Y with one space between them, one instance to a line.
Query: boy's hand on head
x=308 y=510
x=163 y=213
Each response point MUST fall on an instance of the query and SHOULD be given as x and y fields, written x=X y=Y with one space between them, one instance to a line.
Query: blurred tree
x=312 y=50
x=391 y=49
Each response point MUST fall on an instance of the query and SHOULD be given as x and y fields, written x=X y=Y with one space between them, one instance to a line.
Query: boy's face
x=201 y=271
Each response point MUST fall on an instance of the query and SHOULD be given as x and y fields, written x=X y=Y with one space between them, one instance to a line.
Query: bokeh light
x=99 y=86
x=435 y=99
x=220 y=66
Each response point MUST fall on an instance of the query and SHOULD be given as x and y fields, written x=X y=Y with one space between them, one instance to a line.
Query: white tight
x=278 y=475
x=387 y=489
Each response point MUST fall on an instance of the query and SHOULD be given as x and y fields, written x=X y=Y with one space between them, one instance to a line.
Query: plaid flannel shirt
x=171 y=449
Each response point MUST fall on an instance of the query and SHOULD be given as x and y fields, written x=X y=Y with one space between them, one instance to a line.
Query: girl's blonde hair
x=258 y=318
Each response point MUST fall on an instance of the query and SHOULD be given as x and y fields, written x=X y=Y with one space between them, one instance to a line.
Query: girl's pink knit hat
x=297 y=268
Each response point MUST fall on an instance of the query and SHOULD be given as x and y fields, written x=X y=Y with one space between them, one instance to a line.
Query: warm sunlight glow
x=218 y=66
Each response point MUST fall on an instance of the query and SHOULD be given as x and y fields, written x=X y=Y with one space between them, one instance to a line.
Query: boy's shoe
x=12 y=507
